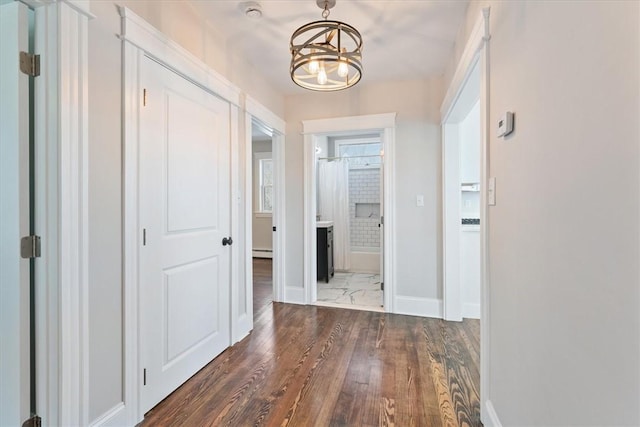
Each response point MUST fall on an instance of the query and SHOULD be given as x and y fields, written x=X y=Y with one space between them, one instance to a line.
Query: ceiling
x=402 y=39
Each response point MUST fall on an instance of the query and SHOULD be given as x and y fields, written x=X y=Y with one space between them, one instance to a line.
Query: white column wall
x=564 y=235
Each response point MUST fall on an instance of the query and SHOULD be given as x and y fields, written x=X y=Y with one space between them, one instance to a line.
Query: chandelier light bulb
x=343 y=69
x=322 y=76
x=314 y=66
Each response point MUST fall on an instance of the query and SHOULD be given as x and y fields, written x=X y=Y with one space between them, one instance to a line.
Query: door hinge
x=34 y=421
x=144 y=376
x=30 y=247
x=144 y=97
x=274 y=228
x=30 y=64
x=381 y=220
x=144 y=237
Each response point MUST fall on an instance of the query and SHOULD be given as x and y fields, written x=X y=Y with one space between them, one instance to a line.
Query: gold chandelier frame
x=312 y=50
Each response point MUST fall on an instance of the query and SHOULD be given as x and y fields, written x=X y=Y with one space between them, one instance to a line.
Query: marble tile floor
x=360 y=291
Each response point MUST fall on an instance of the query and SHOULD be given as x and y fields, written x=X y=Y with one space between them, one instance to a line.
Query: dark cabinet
x=325 y=253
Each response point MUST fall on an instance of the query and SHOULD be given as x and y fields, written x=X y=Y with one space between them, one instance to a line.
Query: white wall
x=470 y=271
x=418 y=159
x=470 y=146
x=364 y=187
x=105 y=211
x=470 y=132
x=181 y=23
x=564 y=235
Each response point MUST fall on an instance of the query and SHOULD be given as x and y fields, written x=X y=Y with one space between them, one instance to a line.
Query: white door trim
x=141 y=39
x=144 y=36
x=476 y=51
x=61 y=172
x=255 y=110
x=385 y=125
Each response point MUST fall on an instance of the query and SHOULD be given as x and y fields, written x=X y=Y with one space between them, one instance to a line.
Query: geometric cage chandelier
x=326 y=55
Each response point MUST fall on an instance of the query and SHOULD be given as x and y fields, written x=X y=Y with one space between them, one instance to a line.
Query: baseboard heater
x=262 y=253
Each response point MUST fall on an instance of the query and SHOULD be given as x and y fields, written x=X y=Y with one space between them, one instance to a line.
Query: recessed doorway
x=262 y=215
x=349 y=248
x=356 y=134
x=462 y=139
x=263 y=257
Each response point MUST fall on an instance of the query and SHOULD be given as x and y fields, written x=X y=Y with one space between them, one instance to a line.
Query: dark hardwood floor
x=320 y=366
x=262 y=284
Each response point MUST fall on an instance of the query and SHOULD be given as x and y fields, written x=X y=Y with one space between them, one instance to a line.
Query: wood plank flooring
x=320 y=366
x=262 y=283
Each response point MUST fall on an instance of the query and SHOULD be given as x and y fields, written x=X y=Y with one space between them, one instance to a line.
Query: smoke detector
x=252 y=9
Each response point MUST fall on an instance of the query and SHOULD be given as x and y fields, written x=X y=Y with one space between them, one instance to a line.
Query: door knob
x=227 y=241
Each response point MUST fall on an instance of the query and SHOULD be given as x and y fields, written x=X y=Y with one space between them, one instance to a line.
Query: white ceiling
x=402 y=39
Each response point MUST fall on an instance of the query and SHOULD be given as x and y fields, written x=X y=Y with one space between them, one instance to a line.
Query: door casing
x=257 y=111
x=384 y=124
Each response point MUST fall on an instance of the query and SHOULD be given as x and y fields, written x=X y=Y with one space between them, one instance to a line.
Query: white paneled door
x=184 y=209
x=14 y=217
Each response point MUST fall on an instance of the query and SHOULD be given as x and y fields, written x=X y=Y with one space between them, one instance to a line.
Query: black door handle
x=227 y=241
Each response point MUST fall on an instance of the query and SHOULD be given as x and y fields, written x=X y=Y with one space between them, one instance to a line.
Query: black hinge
x=144 y=237
x=30 y=247
x=34 y=421
x=274 y=228
x=144 y=376
x=30 y=64
x=144 y=97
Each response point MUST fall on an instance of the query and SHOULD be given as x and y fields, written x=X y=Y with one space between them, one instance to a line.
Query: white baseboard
x=365 y=262
x=294 y=295
x=492 y=419
x=471 y=311
x=113 y=417
x=414 y=306
x=262 y=253
x=242 y=328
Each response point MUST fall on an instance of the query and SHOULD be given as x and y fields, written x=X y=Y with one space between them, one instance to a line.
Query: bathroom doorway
x=356 y=137
x=348 y=221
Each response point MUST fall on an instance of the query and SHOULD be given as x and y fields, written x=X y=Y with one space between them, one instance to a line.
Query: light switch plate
x=419 y=200
x=505 y=124
x=491 y=191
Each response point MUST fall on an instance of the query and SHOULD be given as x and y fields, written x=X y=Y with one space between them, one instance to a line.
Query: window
x=263 y=183
x=362 y=153
x=266 y=185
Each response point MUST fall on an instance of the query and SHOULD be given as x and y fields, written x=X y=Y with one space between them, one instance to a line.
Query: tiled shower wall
x=364 y=187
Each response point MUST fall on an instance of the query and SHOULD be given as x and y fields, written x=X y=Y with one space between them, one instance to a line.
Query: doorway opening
x=348 y=222
x=356 y=136
x=462 y=140
x=469 y=82
x=264 y=228
x=262 y=224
